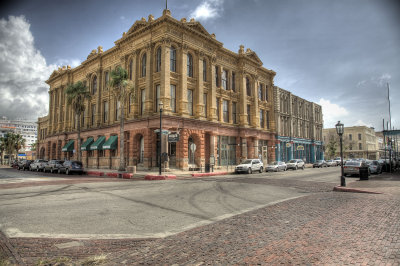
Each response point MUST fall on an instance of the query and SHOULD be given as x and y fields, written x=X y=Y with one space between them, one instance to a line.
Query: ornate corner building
x=219 y=102
x=299 y=126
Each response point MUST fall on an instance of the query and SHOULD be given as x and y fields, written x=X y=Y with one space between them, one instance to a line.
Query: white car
x=276 y=167
x=295 y=164
x=249 y=166
x=331 y=163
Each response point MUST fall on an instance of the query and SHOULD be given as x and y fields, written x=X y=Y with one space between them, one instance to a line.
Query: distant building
x=358 y=142
x=27 y=129
x=299 y=126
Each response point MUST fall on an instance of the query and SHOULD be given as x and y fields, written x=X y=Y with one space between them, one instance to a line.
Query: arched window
x=248 y=87
x=144 y=59
x=158 y=60
x=94 y=85
x=130 y=69
x=190 y=65
x=191 y=149
x=172 y=56
x=141 y=150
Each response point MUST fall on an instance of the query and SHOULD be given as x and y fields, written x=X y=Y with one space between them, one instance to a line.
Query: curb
x=354 y=190
x=160 y=177
x=209 y=174
x=112 y=175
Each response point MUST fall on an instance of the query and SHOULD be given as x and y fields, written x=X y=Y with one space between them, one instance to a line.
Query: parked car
x=375 y=167
x=249 y=165
x=338 y=160
x=24 y=164
x=37 y=165
x=14 y=163
x=331 y=163
x=353 y=167
x=295 y=164
x=320 y=164
x=70 y=167
x=276 y=167
x=52 y=166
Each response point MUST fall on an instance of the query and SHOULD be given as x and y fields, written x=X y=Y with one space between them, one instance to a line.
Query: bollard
x=134 y=170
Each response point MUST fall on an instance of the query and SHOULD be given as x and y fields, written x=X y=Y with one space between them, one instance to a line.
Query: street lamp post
x=340 y=130
x=160 y=150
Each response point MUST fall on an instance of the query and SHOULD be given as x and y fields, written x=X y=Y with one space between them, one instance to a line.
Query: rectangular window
x=234 y=113
x=266 y=93
x=217 y=76
x=106 y=80
x=142 y=101
x=248 y=114
x=350 y=137
x=130 y=102
x=204 y=70
x=218 y=112
x=117 y=109
x=267 y=116
x=260 y=94
x=225 y=110
x=157 y=107
x=262 y=118
x=224 y=79
x=359 y=137
x=105 y=114
x=233 y=81
x=359 y=146
x=173 y=98
x=190 y=101
x=93 y=114
x=205 y=104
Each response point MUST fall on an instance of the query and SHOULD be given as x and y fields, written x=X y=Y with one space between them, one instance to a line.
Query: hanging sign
x=173 y=137
x=288 y=145
x=300 y=148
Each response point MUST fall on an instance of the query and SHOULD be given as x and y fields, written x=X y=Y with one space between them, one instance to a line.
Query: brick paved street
x=331 y=228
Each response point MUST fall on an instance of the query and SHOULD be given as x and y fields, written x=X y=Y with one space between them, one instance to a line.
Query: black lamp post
x=160 y=157
x=340 y=130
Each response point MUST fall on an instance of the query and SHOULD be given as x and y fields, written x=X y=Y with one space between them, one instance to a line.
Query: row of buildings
x=223 y=105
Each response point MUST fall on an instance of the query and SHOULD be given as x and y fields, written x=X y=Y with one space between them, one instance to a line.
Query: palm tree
x=77 y=93
x=122 y=88
x=18 y=142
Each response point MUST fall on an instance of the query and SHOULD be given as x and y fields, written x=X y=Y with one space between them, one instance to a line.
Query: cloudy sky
x=341 y=54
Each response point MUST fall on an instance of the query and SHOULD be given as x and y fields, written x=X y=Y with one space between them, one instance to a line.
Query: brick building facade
x=218 y=100
x=299 y=126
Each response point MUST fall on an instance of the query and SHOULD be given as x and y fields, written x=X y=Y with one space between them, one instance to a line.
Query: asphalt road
x=142 y=209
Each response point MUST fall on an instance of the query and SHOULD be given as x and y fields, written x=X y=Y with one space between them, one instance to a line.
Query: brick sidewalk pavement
x=333 y=228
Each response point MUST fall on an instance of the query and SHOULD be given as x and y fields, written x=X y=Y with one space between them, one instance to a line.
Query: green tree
x=122 y=88
x=2 y=148
x=77 y=93
x=18 y=142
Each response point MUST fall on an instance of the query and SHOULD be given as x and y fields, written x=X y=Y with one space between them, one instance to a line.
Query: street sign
x=173 y=137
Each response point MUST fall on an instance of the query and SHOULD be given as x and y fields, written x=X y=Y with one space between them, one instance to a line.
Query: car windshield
x=319 y=161
x=292 y=161
x=77 y=163
x=275 y=163
x=246 y=162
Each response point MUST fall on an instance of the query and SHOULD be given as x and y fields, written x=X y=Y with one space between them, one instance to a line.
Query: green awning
x=69 y=146
x=111 y=143
x=86 y=145
x=98 y=144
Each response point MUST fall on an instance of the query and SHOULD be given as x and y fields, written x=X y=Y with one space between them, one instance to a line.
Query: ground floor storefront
x=296 y=148
x=185 y=144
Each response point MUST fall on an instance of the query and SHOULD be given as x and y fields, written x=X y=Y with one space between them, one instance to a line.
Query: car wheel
x=37 y=169
x=67 y=171
x=261 y=169
x=303 y=167
x=59 y=171
x=249 y=171
x=51 y=170
x=296 y=168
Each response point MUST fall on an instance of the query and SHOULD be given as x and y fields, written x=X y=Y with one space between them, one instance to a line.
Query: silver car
x=295 y=164
x=276 y=167
x=38 y=165
x=331 y=163
x=353 y=167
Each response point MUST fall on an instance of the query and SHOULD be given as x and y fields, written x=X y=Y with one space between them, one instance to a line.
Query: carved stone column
x=255 y=117
x=243 y=100
x=213 y=92
x=165 y=88
x=199 y=111
x=182 y=95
